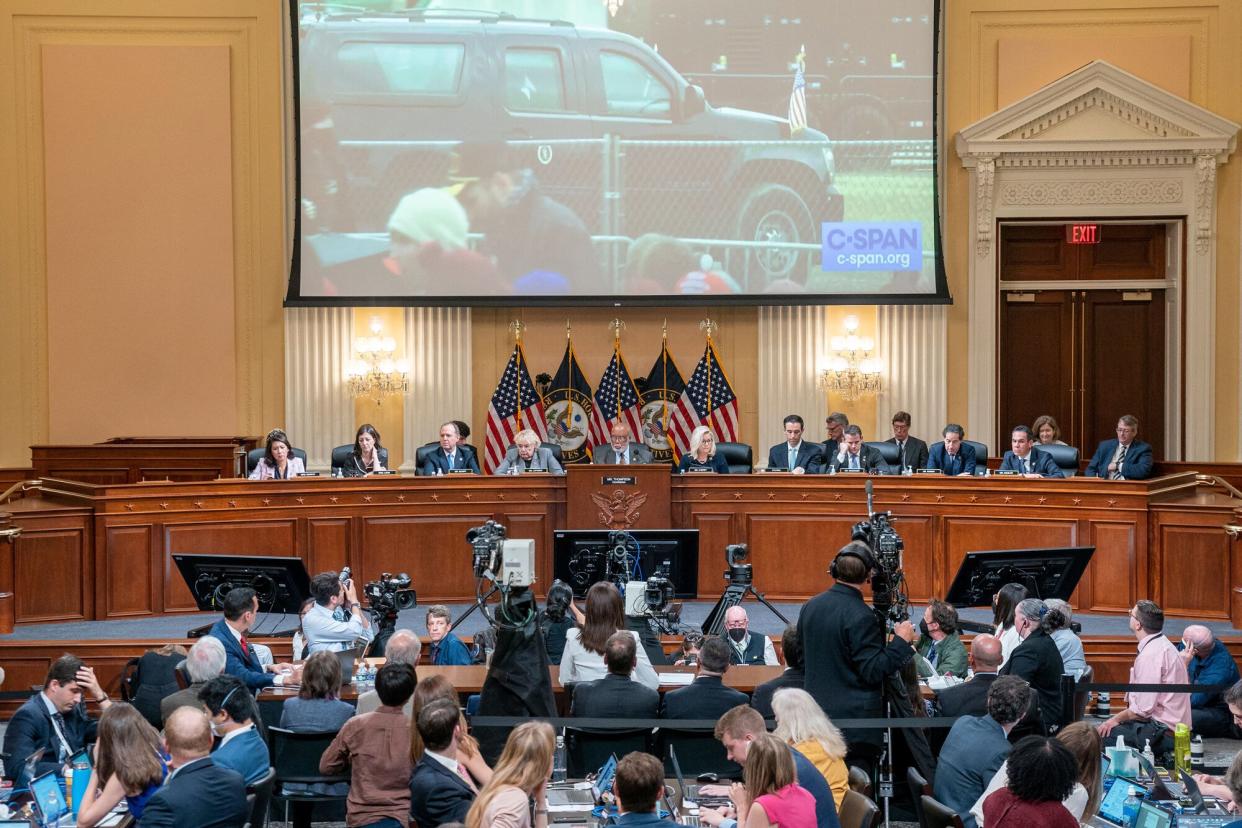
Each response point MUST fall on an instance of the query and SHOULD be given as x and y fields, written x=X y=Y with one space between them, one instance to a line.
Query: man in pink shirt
x=1151 y=716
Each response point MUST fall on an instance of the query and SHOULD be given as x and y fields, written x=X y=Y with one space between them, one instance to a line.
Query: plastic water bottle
x=1196 y=753
x=558 y=761
x=1130 y=807
x=1147 y=752
x=1181 y=747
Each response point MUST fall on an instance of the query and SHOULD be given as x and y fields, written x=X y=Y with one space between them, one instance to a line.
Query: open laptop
x=1117 y=790
x=49 y=801
x=346 y=658
x=587 y=797
x=690 y=793
x=1158 y=790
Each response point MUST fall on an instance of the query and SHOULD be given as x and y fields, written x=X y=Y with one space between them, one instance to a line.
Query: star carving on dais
x=500 y=496
x=129 y=506
x=1077 y=501
x=836 y=496
x=401 y=498
x=939 y=498
x=163 y=505
x=1043 y=500
x=366 y=498
x=974 y=498
x=805 y=495
x=334 y=499
x=198 y=503
x=267 y=501
x=435 y=496
x=1008 y=499
x=904 y=498
x=300 y=500
x=737 y=495
x=1112 y=502
x=771 y=495
x=233 y=503
x=467 y=495
x=702 y=495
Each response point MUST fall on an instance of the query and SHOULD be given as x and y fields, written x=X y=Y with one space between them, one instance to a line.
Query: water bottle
x=1181 y=747
x=1196 y=753
x=1130 y=807
x=69 y=786
x=558 y=761
x=81 y=778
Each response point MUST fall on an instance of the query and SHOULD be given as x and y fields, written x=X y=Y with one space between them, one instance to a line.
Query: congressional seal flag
x=515 y=405
x=664 y=389
x=567 y=410
x=708 y=400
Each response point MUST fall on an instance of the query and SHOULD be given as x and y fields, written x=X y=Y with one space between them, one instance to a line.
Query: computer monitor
x=281 y=584
x=1046 y=573
x=579 y=557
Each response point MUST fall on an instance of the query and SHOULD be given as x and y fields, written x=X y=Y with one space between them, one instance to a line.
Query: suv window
x=534 y=80
x=632 y=89
x=412 y=68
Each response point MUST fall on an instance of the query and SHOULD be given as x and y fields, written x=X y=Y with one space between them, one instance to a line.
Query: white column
x=319 y=412
x=912 y=341
x=437 y=343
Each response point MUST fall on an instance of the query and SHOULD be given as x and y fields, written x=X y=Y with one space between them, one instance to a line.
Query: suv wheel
x=772 y=213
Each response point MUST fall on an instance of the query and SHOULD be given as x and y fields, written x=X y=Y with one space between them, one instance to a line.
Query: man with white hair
x=205 y=661
x=527 y=454
x=745 y=648
x=403 y=647
x=1208 y=662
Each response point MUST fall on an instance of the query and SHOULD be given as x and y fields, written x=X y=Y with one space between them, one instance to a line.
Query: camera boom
x=888 y=584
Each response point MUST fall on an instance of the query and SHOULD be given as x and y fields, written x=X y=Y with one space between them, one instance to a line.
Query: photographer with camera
x=846 y=658
x=336 y=621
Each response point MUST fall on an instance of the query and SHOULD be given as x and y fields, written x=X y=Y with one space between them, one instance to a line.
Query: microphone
x=870 y=498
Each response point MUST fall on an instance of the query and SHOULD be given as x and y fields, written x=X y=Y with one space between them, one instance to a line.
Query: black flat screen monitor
x=281 y=584
x=1046 y=573
x=578 y=557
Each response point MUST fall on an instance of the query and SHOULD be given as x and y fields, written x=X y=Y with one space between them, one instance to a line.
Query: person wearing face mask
x=232 y=712
x=1037 y=660
x=746 y=648
x=939 y=646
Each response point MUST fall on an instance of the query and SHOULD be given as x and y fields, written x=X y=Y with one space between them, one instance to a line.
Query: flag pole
x=517 y=326
x=617 y=324
x=709 y=325
x=664 y=383
x=569 y=349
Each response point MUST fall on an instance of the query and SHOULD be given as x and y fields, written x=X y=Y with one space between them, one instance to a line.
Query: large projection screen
x=616 y=151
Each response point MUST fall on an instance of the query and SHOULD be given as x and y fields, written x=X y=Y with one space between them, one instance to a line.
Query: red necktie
x=245 y=648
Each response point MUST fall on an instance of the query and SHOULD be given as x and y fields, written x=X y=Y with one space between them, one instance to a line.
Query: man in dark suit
x=952 y=456
x=836 y=424
x=453 y=455
x=911 y=451
x=971 y=697
x=440 y=789
x=53 y=720
x=1126 y=458
x=854 y=454
x=620 y=449
x=231 y=712
x=795 y=455
x=847 y=660
x=791 y=648
x=1038 y=661
x=198 y=793
x=706 y=697
x=977 y=745
x=616 y=695
x=241 y=605
x=1027 y=460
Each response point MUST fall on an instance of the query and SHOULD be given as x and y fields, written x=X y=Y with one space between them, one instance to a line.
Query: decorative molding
x=1110 y=191
x=1205 y=202
x=1118 y=107
x=1096 y=158
x=985 y=174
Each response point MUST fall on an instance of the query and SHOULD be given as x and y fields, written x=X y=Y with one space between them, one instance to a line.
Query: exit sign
x=1082 y=234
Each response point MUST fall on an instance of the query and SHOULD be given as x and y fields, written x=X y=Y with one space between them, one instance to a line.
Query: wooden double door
x=1090 y=351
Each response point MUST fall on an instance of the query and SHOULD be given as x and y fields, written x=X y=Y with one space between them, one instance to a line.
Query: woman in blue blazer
x=702 y=454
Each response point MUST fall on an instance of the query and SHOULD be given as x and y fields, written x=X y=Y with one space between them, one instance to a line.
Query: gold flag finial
x=710 y=326
x=616 y=324
x=517 y=326
x=568 y=331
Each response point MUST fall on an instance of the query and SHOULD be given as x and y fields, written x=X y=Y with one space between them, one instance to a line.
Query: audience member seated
x=1004 y=604
x=707 y=696
x=1069 y=645
x=454 y=455
x=770 y=793
x=702 y=455
x=745 y=648
x=198 y=793
x=1208 y=662
x=1037 y=660
x=801 y=724
x=1125 y=458
x=795 y=455
x=1228 y=789
x=1042 y=775
x=438 y=687
x=688 y=654
x=951 y=455
x=520 y=778
x=241 y=606
x=232 y=711
x=791 y=648
x=583 y=659
x=616 y=695
x=971 y=698
x=129 y=759
x=374 y=748
x=53 y=720
x=1084 y=742
x=204 y=662
x=155 y=679
x=911 y=451
x=441 y=789
x=1151 y=716
x=638 y=785
x=557 y=620
x=337 y=621
x=317 y=708
x=527 y=454
x=1027 y=460
x=368 y=455
x=1047 y=432
x=402 y=648
x=299 y=636
x=854 y=454
x=278 y=462
x=620 y=448
x=977 y=745
x=446 y=648
x=939 y=647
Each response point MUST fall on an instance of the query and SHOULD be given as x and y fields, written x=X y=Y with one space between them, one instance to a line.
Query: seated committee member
x=835 y=423
x=368 y=455
x=446 y=648
x=1027 y=460
x=232 y=710
x=616 y=695
x=952 y=455
x=278 y=462
x=1208 y=662
x=241 y=605
x=337 y=620
x=1047 y=432
x=1125 y=458
x=453 y=454
x=854 y=454
x=440 y=789
x=911 y=451
x=795 y=455
x=702 y=455
x=54 y=720
x=198 y=793
x=745 y=648
x=621 y=450
x=939 y=646
x=526 y=454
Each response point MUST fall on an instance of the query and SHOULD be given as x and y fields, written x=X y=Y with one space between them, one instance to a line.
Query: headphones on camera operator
x=854 y=549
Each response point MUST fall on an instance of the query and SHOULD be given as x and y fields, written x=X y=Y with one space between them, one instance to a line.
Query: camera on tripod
x=486 y=544
x=508 y=563
x=738 y=573
x=660 y=589
x=888 y=584
x=390 y=594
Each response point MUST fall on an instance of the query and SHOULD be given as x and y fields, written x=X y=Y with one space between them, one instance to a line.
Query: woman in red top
x=1042 y=772
x=770 y=794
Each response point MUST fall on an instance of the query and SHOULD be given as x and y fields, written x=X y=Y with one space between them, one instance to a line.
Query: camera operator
x=846 y=659
x=337 y=620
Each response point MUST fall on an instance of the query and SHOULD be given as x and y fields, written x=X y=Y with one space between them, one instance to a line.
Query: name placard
x=1007 y=473
x=309 y=474
x=385 y=471
x=849 y=471
x=460 y=471
x=618 y=480
x=929 y=471
x=534 y=471
x=700 y=470
x=774 y=471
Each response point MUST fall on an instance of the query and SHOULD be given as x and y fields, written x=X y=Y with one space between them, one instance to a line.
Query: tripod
x=734 y=593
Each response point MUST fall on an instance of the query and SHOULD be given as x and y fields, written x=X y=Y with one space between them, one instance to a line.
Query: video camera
x=390 y=594
x=888 y=584
x=487 y=546
x=738 y=573
x=660 y=589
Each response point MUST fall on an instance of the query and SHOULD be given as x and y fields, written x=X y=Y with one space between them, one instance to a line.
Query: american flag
x=616 y=399
x=708 y=400
x=797 y=101
x=664 y=389
x=504 y=417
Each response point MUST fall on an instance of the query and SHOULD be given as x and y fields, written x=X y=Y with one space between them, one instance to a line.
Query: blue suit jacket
x=243 y=665
x=938 y=458
x=247 y=754
x=437 y=463
x=199 y=795
x=437 y=795
x=810 y=456
x=1217 y=668
x=1041 y=464
x=971 y=755
x=1136 y=466
x=451 y=651
x=31 y=728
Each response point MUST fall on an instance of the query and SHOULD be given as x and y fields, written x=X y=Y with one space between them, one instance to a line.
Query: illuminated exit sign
x=1082 y=234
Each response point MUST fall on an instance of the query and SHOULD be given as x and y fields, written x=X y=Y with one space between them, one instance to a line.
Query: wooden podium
x=618 y=497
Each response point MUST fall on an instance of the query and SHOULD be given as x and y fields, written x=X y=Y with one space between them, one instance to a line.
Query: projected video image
x=491 y=149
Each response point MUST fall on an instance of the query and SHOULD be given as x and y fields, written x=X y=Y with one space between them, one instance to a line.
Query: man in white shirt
x=326 y=628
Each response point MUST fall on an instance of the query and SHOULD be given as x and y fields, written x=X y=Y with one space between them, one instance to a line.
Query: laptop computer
x=49 y=800
x=1158 y=790
x=601 y=784
x=346 y=658
x=690 y=793
x=1113 y=801
x=1153 y=815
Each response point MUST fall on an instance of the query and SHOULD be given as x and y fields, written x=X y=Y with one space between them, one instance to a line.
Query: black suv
x=606 y=124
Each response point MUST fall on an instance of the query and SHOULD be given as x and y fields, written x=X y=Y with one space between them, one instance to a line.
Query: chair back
x=889 y=453
x=422 y=453
x=1066 y=458
x=259 y=796
x=919 y=787
x=255 y=455
x=586 y=751
x=940 y=815
x=295 y=755
x=858 y=811
x=339 y=455
x=981 y=456
x=860 y=780
x=698 y=751
x=739 y=456
x=555 y=448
